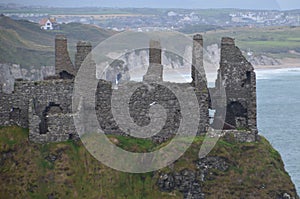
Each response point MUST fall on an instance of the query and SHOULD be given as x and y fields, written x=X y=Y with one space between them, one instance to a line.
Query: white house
x=48 y=24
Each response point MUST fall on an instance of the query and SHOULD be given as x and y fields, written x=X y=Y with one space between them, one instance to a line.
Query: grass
x=27 y=172
x=134 y=144
x=23 y=42
x=74 y=174
x=272 y=40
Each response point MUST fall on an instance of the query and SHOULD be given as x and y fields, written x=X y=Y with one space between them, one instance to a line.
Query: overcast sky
x=246 y=4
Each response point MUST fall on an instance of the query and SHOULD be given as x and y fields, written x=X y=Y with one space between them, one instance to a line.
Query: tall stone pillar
x=155 y=70
x=83 y=50
x=63 y=66
x=200 y=83
x=198 y=73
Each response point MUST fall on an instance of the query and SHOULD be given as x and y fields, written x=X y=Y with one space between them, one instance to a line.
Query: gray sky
x=246 y=4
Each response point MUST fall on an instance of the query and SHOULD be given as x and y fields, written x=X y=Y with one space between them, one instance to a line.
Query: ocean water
x=278 y=98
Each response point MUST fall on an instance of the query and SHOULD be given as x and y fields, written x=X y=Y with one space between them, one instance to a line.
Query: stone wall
x=63 y=66
x=45 y=107
x=237 y=75
x=199 y=82
x=83 y=50
x=139 y=107
x=155 y=69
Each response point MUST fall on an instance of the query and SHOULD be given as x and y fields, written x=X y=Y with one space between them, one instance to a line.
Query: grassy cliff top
x=67 y=170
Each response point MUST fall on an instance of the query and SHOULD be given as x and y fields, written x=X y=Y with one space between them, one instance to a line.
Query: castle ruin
x=45 y=107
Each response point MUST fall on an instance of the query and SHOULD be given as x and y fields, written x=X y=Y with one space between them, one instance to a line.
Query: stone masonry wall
x=139 y=106
x=83 y=49
x=155 y=69
x=63 y=65
x=199 y=82
x=45 y=107
x=237 y=75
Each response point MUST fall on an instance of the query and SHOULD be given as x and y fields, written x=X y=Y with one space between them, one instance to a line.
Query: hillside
x=278 y=42
x=66 y=170
x=23 y=42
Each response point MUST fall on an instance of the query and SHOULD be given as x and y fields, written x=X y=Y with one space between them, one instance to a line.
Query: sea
x=278 y=114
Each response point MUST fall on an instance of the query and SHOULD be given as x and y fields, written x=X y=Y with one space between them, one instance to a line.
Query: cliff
x=67 y=170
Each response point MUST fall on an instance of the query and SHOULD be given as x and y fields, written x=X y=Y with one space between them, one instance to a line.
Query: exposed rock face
x=118 y=72
x=140 y=59
x=262 y=60
x=195 y=183
x=189 y=182
x=214 y=53
x=186 y=181
x=7 y=80
x=136 y=59
x=11 y=72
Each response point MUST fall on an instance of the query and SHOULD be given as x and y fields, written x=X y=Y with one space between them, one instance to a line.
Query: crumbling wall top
x=197 y=37
x=63 y=65
x=155 y=69
x=227 y=41
x=84 y=44
x=60 y=37
x=155 y=52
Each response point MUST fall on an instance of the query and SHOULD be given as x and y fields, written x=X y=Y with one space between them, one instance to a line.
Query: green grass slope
x=67 y=170
x=277 y=41
x=23 y=42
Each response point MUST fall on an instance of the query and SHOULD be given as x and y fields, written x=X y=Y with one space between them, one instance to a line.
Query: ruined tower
x=46 y=107
x=155 y=70
x=64 y=68
x=199 y=82
x=83 y=50
x=237 y=75
x=198 y=73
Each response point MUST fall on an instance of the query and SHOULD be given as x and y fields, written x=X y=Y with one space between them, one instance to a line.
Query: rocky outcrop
x=262 y=60
x=6 y=78
x=213 y=53
x=189 y=182
x=11 y=72
x=232 y=170
x=185 y=181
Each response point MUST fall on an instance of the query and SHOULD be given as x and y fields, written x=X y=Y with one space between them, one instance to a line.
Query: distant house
x=49 y=24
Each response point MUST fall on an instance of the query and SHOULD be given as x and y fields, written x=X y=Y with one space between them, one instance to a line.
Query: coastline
x=285 y=63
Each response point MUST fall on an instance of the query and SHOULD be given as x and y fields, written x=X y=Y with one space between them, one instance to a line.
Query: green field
x=67 y=170
x=272 y=40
